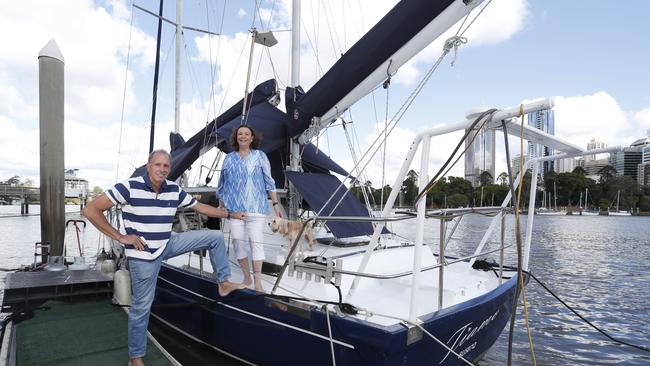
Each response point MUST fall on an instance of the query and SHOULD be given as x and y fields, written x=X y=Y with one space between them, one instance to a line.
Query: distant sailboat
x=552 y=212
x=586 y=211
x=619 y=212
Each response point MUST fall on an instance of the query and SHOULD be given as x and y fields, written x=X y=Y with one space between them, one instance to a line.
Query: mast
x=555 y=195
x=155 y=79
x=179 y=41
x=294 y=147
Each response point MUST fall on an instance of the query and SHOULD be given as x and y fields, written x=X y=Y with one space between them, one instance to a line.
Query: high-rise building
x=627 y=161
x=643 y=170
x=542 y=120
x=479 y=156
x=514 y=165
x=565 y=165
x=593 y=145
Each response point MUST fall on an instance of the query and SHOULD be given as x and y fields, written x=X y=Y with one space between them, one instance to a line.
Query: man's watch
x=275 y=203
x=229 y=215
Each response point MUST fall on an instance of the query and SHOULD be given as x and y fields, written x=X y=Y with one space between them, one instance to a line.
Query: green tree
x=376 y=194
x=606 y=173
x=13 y=181
x=410 y=185
x=457 y=200
x=503 y=178
x=485 y=178
x=27 y=183
x=579 y=171
x=644 y=204
x=630 y=192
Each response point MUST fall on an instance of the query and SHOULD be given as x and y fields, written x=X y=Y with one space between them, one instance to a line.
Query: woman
x=244 y=186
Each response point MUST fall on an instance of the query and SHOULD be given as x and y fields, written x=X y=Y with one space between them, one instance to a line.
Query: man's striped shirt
x=148 y=214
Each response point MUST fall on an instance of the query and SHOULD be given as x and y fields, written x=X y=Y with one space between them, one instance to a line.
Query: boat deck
x=86 y=333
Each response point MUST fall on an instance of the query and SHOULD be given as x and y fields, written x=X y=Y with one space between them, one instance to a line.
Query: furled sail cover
x=392 y=32
x=266 y=120
x=315 y=161
x=185 y=155
x=316 y=189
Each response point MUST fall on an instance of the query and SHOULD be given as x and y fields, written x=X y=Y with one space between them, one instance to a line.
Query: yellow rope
x=518 y=229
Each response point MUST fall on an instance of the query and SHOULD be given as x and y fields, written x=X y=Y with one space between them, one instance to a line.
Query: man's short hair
x=159 y=151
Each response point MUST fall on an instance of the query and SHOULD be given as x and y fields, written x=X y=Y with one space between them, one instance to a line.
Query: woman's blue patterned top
x=244 y=183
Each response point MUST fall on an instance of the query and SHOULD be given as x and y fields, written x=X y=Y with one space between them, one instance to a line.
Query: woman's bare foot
x=258 y=282
x=247 y=281
x=226 y=287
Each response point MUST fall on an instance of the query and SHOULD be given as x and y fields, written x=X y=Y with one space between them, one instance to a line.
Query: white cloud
x=241 y=13
x=599 y=116
x=500 y=21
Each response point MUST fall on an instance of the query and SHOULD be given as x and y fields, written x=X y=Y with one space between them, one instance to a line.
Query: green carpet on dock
x=88 y=333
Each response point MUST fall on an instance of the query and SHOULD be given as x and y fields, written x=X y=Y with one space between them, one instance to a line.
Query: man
x=149 y=205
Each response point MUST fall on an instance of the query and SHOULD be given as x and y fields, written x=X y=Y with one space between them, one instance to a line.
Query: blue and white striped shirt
x=244 y=183
x=148 y=214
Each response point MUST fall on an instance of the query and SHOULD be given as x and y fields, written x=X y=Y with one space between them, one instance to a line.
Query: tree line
x=565 y=189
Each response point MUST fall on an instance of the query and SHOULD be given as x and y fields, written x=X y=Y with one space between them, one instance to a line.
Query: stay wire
x=434 y=180
x=576 y=313
x=612 y=338
x=126 y=78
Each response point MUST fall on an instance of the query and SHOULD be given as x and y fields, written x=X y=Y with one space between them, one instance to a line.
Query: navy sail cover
x=317 y=189
x=390 y=34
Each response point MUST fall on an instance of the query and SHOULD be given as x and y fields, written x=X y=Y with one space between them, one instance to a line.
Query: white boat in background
x=543 y=211
x=618 y=212
x=75 y=187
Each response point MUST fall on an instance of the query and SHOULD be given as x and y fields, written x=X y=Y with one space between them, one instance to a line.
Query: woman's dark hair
x=257 y=138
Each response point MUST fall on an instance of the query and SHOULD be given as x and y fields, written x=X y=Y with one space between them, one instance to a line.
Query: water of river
x=600 y=265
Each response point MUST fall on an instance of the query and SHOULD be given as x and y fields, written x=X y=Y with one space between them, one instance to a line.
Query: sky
x=591 y=56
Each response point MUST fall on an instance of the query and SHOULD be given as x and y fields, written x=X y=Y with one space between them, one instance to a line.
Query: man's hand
x=137 y=242
x=238 y=215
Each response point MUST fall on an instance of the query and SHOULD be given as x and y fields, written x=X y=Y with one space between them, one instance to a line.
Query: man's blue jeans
x=145 y=273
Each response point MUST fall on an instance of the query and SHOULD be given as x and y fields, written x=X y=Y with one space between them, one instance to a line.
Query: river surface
x=599 y=265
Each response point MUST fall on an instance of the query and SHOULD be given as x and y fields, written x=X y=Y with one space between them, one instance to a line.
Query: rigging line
x=519 y=269
x=275 y=73
x=213 y=69
x=329 y=27
x=362 y=185
x=272 y=11
x=126 y=77
x=314 y=49
x=616 y=340
x=232 y=76
x=249 y=105
x=145 y=124
x=513 y=316
x=476 y=17
x=383 y=159
x=407 y=321
x=211 y=102
x=353 y=151
x=396 y=118
x=482 y=117
x=255 y=14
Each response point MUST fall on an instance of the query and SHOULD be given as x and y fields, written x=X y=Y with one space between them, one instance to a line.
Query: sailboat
x=552 y=211
x=364 y=295
x=586 y=211
x=619 y=212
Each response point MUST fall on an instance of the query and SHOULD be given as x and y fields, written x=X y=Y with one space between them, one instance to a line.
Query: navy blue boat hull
x=266 y=331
